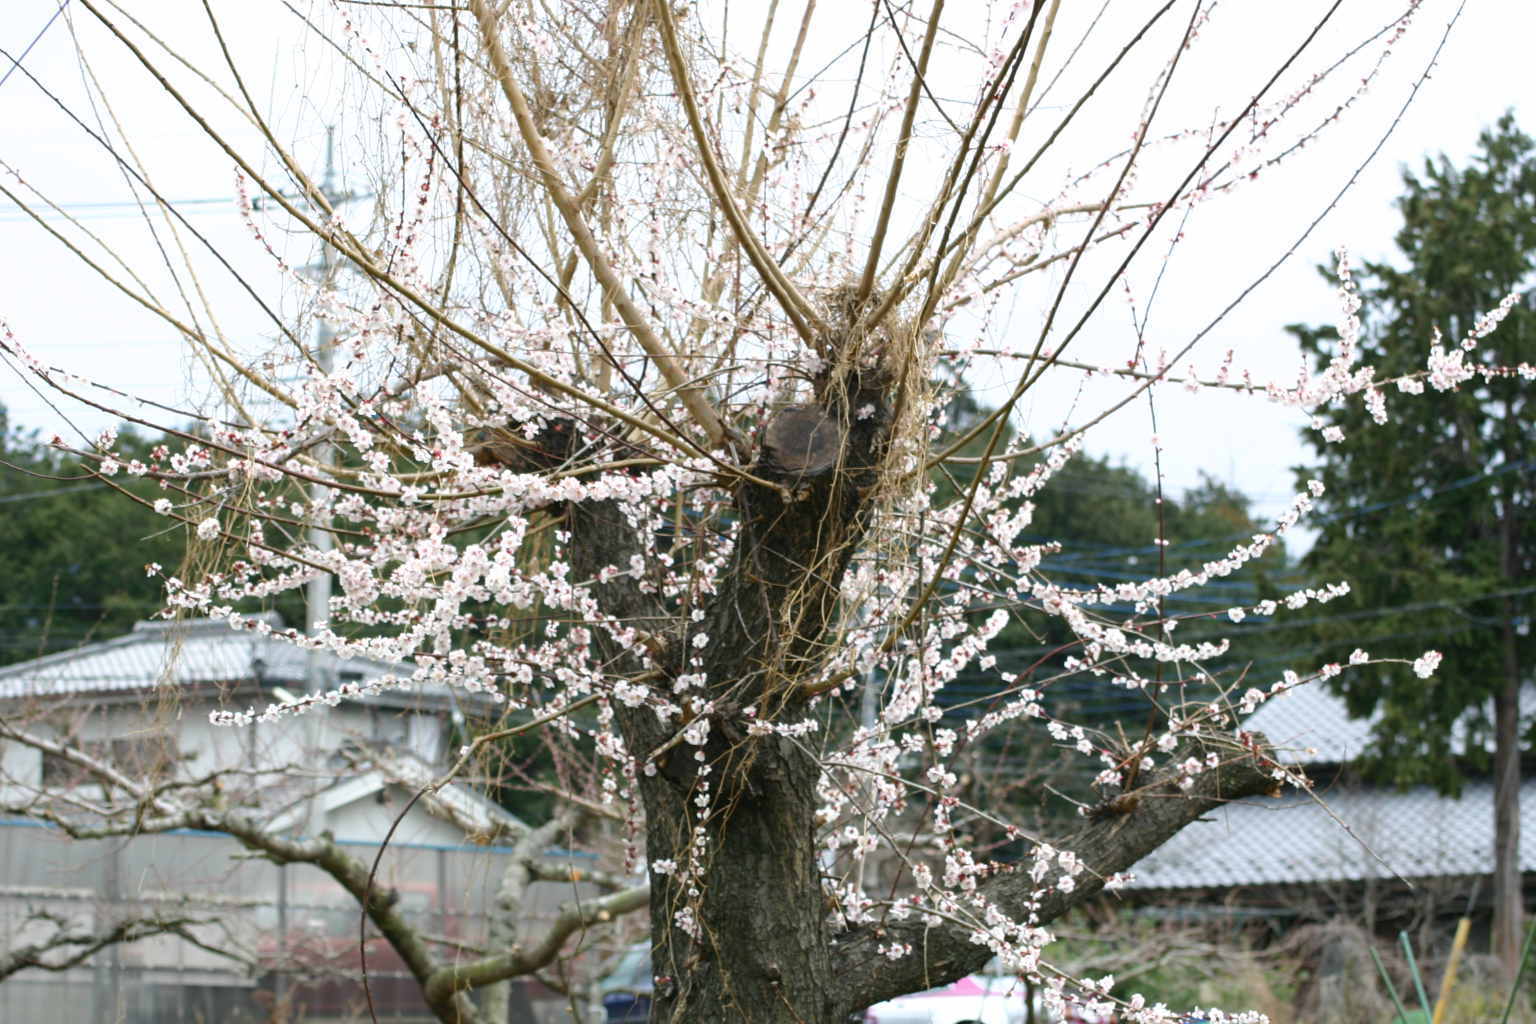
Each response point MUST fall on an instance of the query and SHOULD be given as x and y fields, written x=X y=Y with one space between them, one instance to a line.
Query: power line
x=16 y=61
x=1088 y=559
x=113 y=204
x=15 y=213
x=1271 y=624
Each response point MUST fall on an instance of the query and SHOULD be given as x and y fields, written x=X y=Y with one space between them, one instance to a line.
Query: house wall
x=294 y=919
x=176 y=735
x=332 y=729
x=18 y=764
x=371 y=817
x=131 y=737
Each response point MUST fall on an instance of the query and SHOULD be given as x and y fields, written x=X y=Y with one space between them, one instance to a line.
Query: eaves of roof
x=201 y=654
x=1310 y=725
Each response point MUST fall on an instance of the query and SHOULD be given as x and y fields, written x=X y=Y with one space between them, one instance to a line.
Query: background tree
x=644 y=344
x=71 y=545
x=1110 y=522
x=1428 y=510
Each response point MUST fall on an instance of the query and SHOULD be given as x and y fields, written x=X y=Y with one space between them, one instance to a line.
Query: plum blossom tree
x=629 y=412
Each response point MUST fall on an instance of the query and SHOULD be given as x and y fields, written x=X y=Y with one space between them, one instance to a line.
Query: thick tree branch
x=1113 y=844
x=379 y=902
x=515 y=879
x=767 y=626
x=453 y=981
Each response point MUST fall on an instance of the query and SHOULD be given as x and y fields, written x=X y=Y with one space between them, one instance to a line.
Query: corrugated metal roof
x=192 y=652
x=1293 y=839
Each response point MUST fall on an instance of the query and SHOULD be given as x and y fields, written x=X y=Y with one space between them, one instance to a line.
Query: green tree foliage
x=1428 y=515
x=73 y=549
x=1113 y=523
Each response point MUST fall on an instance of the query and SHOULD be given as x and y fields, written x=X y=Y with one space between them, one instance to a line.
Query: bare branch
x=69 y=946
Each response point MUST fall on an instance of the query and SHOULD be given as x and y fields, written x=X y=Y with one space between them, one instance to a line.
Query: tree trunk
x=766 y=950
x=736 y=898
x=1508 y=895
x=739 y=928
x=738 y=932
x=760 y=950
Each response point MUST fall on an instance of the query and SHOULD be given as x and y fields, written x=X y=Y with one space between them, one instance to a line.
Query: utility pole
x=317 y=595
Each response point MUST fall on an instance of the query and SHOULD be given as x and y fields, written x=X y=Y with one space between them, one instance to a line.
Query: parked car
x=626 y=990
x=990 y=997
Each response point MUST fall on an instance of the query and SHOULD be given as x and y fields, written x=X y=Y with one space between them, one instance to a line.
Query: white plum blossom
x=1425 y=664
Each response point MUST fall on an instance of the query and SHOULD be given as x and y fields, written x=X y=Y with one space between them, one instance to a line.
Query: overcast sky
x=75 y=321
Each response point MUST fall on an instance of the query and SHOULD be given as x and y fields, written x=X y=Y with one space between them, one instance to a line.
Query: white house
x=142 y=701
x=140 y=704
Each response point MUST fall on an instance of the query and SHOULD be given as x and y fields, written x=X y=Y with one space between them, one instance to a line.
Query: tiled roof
x=1311 y=725
x=1343 y=833
x=193 y=652
x=1362 y=832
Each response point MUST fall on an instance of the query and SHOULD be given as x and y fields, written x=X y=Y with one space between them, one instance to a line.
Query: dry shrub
x=1338 y=982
